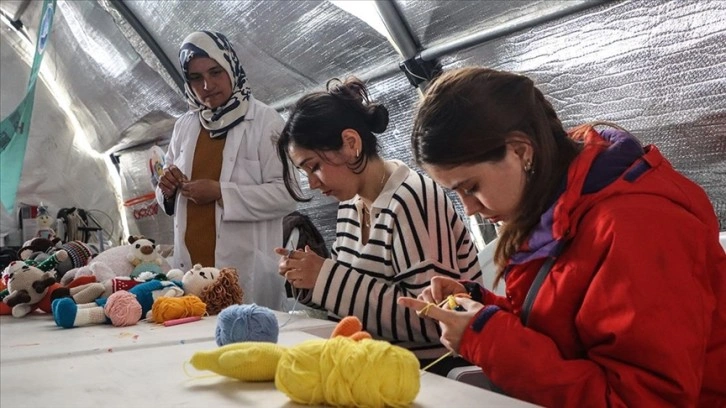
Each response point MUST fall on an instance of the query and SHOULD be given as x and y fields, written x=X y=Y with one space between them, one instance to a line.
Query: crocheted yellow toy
x=349 y=369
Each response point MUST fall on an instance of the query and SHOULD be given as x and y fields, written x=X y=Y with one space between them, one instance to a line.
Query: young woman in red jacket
x=615 y=279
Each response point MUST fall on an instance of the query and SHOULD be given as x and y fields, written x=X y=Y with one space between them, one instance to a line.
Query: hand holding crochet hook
x=446 y=301
x=300 y=268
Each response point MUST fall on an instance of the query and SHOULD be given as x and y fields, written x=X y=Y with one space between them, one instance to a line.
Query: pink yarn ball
x=123 y=309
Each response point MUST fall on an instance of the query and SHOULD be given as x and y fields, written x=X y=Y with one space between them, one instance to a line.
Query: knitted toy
x=39 y=249
x=110 y=264
x=210 y=288
x=349 y=369
x=144 y=258
x=79 y=255
x=216 y=288
x=50 y=262
x=37 y=246
x=30 y=288
x=44 y=224
x=140 y=299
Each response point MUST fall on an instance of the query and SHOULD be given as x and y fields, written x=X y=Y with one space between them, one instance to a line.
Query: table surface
x=36 y=336
x=145 y=365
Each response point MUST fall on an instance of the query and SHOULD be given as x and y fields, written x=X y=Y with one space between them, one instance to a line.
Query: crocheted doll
x=44 y=224
x=217 y=288
x=211 y=288
x=68 y=314
x=349 y=369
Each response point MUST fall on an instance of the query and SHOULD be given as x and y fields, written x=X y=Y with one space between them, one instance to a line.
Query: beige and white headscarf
x=216 y=46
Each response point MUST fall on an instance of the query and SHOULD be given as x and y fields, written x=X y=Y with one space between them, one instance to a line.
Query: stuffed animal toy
x=110 y=264
x=50 y=262
x=30 y=288
x=36 y=246
x=79 y=255
x=144 y=258
x=39 y=249
x=350 y=369
x=115 y=309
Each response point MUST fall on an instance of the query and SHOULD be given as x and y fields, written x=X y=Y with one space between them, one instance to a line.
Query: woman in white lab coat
x=223 y=179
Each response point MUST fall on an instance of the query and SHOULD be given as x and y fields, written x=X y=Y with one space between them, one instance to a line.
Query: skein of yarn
x=239 y=323
x=123 y=309
x=171 y=308
x=345 y=372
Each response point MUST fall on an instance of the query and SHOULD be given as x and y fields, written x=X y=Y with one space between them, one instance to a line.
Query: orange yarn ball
x=170 y=308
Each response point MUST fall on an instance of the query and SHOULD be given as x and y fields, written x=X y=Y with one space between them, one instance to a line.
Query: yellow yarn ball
x=345 y=372
x=170 y=308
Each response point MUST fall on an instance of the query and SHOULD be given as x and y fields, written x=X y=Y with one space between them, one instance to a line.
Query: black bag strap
x=534 y=289
x=544 y=270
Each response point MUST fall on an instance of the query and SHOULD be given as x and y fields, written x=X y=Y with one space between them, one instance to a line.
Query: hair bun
x=377 y=118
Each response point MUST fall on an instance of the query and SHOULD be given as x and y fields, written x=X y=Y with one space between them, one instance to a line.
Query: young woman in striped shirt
x=396 y=229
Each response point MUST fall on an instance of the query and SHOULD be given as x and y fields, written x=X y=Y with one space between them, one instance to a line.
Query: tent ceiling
x=286 y=48
x=273 y=39
x=655 y=67
x=437 y=21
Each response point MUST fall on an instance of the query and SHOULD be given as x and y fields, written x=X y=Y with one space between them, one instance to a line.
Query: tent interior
x=110 y=86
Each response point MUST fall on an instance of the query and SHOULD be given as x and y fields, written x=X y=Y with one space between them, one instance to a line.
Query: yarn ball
x=344 y=372
x=123 y=309
x=238 y=323
x=170 y=308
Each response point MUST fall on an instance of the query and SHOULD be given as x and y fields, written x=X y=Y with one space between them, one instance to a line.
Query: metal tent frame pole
x=418 y=72
x=21 y=10
x=150 y=42
x=399 y=30
x=408 y=45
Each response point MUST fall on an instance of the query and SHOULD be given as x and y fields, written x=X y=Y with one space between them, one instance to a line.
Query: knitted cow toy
x=31 y=288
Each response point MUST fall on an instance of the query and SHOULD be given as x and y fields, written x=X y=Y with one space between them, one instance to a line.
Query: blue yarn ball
x=238 y=323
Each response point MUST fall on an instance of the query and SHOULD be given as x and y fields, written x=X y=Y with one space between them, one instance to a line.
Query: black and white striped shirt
x=415 y=234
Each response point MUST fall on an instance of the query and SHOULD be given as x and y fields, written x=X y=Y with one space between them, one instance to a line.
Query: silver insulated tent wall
x=109 y=90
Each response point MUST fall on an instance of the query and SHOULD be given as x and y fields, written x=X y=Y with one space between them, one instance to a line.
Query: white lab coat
x=249 y=226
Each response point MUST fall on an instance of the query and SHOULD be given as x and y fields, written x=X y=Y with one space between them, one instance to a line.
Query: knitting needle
x=183 y=320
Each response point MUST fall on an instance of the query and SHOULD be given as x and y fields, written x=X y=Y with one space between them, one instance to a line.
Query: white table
x=36 y=336
x=144 y=366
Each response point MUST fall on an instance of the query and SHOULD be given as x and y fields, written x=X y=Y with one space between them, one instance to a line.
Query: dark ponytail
x=318 y=120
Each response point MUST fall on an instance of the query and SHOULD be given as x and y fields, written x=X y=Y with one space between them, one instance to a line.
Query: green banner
x=15 y=128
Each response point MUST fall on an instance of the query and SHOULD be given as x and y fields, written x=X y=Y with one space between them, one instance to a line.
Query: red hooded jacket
x=633 y=311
